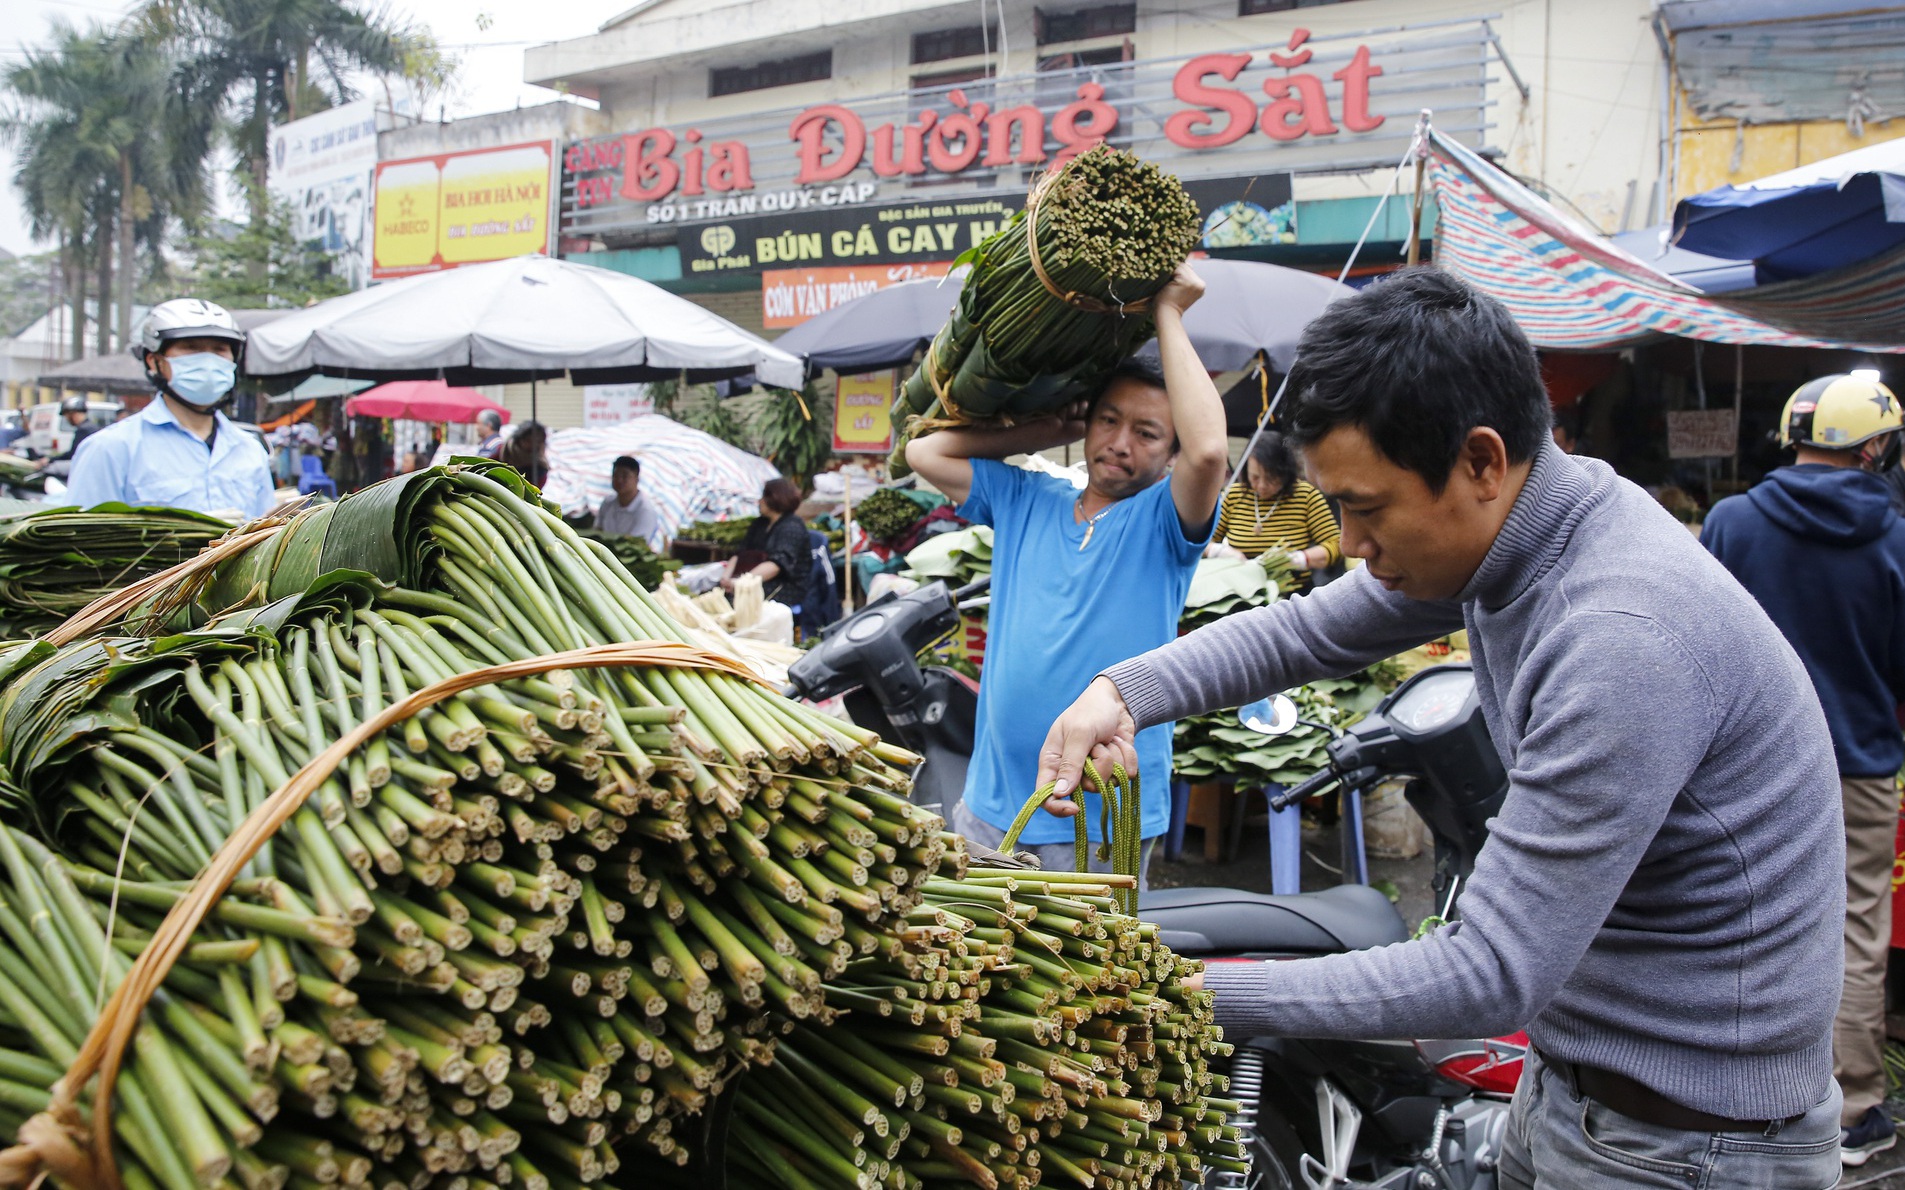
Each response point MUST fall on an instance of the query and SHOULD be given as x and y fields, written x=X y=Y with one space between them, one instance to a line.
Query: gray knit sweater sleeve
x=1586 y=802
x=1337 y=630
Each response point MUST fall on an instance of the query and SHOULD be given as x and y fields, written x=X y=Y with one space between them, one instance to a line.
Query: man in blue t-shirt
x=1083 y=580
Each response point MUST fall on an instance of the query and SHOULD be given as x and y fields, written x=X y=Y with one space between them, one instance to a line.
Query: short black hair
x=627 y=463
x=1273 y=453
x=1416 y=361
x=780 y=494
x=1142 y=369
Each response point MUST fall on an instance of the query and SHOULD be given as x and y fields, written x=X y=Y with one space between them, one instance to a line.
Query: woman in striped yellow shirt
x=1274 y=510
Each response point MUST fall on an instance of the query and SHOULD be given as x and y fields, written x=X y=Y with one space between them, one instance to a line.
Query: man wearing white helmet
x=180 y=451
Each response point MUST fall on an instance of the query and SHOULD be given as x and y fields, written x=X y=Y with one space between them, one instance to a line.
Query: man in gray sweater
x=1660 y=903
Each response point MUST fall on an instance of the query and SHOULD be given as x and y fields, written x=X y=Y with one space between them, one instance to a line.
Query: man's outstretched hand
x=1097 y=728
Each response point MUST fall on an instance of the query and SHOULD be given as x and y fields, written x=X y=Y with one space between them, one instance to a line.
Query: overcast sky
x=490 y=79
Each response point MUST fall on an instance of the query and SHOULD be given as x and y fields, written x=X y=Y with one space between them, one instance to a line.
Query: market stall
x=687 y=476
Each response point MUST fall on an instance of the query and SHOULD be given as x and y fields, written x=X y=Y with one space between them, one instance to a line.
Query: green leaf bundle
x=55 y=561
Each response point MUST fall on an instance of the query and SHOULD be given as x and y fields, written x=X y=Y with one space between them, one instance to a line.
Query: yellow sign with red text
x=438 y=212
x=790 y=297
x=863 y=412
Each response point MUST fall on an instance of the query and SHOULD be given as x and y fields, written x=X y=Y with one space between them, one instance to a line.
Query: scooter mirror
x=1276 y=715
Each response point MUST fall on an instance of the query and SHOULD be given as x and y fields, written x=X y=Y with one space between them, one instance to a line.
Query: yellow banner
x=461 y=208
x=863 y=413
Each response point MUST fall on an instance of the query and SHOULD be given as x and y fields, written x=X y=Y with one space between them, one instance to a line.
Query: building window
x=1110 y=55
x=1251 y=8
x=949 y=78
x=732 y=80
x=941 y=44
x=1082 y=24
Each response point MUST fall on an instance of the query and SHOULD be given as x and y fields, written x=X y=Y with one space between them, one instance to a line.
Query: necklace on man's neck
x=1091 y=522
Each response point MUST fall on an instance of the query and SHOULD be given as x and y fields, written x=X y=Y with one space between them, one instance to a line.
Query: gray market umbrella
x=1248 y=307
x=884 y=329
x=529 y=318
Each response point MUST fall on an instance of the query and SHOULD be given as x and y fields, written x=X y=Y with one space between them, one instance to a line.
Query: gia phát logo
x=718 y=240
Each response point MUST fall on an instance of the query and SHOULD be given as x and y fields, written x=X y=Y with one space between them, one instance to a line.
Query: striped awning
x=1571 y=289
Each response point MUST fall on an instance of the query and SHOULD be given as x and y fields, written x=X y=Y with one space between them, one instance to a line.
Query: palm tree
x=276 y=60
x=109 y=144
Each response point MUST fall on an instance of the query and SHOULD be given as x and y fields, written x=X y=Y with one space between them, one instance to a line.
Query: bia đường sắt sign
x=1309 y=102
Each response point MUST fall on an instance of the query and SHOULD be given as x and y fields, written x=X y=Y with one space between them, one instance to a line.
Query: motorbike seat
x=1229 y=920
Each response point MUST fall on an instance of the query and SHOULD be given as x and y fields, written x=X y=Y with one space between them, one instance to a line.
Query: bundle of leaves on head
x=543 y=910
x=1107 y=230
x=55 y=561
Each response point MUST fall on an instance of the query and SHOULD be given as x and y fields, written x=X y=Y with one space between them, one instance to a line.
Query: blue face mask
x=202 y=379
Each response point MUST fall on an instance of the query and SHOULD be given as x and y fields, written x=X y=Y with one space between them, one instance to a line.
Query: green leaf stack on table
x=1110 y=230
x=728 y=533
x=1215 y=746
x=55 y=561
x=518 y=937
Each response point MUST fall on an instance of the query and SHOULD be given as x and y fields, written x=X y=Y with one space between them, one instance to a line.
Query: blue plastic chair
x=311 y=477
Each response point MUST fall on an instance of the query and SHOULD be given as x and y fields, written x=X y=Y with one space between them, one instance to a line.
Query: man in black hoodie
x=1819 y=545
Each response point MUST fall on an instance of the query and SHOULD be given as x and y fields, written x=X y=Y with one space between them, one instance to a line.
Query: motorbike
x=1326 y=1114
x=1316 y=1114
x=872 y=658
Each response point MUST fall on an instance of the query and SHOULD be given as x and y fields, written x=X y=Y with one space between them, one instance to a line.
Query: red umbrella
x=422 y=400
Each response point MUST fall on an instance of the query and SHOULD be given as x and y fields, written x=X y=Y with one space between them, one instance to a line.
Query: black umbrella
x=1248 y=307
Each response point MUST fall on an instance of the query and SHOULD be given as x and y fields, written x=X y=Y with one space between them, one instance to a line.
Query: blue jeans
x=1558 y=1140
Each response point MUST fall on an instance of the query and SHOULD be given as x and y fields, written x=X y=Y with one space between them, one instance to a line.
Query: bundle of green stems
x=1110 y=230
x=1018 y=1031
x=512 y=939
x=524 y=937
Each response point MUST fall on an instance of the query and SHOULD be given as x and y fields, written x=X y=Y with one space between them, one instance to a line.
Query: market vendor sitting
x=775 y=549
x=1273 y=511
x=1083 y=580
x=180 y=451
x=626 y=512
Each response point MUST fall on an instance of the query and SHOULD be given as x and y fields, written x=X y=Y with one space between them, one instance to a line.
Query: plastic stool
x=1180 y=814
x=1355 y=859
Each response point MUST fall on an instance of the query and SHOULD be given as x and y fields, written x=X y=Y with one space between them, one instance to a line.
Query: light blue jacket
x=150 y=459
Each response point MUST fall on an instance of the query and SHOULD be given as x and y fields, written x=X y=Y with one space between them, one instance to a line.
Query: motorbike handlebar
x=1305 y=789
x=974 y=587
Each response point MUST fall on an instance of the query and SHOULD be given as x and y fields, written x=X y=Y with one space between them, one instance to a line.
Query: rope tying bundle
x=1120 y=825
x=1071 y=297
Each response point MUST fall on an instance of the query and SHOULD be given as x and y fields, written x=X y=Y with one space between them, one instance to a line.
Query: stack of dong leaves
x=538 y=932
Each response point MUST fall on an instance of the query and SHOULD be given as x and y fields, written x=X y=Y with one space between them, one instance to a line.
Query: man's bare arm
x=944 y=457
x=1197 y=411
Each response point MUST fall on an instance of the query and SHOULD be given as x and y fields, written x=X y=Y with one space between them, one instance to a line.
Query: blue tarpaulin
x=1834 y=213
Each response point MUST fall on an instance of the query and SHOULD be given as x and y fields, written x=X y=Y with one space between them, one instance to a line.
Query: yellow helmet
x=1839 y=413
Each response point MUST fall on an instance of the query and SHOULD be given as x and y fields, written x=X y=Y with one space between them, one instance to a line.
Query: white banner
x=321 y=166
x=613 y=404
